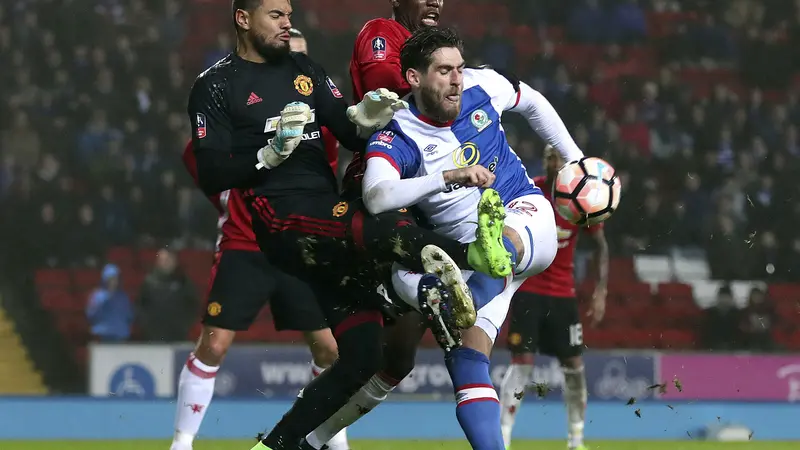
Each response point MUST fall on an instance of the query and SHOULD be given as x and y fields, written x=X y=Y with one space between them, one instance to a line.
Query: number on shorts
x=575 y=335
x=526 y=207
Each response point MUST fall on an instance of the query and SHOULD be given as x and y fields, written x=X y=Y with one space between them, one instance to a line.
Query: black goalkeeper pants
x=343 y=253
x=339 y=249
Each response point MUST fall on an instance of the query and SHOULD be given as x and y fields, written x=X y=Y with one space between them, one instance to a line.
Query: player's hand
x=597 y=307
x=288 y=135
x=375 y=111
x=473 y=176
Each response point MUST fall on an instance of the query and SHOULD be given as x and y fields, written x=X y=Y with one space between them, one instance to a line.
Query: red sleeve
x=378 y=59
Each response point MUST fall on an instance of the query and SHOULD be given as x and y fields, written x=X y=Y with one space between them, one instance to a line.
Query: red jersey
x=235 y=225
x=376 y=64
x=558 y=280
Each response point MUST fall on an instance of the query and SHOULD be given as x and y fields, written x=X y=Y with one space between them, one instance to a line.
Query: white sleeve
x=383 y=189
x=545 y=121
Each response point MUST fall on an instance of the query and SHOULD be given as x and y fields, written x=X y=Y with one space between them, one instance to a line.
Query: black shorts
x=549 y=325
x=321 y=240
x=242 y=282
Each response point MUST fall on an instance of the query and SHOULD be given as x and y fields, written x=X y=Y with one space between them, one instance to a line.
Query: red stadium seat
x=668 y=290
x=784 y=291
x=622 y=269
x=147 y=257
x=121 y=256
x=678 y=339
x=55 y=298
x=52 y=278
x=86 y=278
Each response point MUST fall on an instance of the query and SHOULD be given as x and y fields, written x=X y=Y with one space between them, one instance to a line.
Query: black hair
x=246 y=5
x=418 y=50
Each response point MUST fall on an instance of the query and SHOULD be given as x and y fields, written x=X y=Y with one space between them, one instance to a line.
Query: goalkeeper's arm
x=217 y=168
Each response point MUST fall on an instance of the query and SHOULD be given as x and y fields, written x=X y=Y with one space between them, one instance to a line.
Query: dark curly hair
x=418 y=50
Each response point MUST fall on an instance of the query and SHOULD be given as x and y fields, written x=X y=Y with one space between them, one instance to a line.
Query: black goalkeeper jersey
x=234 y=108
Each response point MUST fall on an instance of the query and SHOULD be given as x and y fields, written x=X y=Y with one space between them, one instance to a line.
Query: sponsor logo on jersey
x=304 y=85
x=379 y=48
x=430 y=148
x=201 y=125
x=272 y=122
x=467 y=155
x=480 y=120
x=340 y=209
x=214 y=309
x=253 y=99
x=380 y=144
x=386 y=136
x=305 y=137
x=334 y=90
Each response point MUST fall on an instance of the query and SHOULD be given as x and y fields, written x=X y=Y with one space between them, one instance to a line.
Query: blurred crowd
x=94 y=102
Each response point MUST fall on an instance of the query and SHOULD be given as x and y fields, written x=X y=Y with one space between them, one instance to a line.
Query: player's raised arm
x=390 y=182
x=217 y=168
x=545 y=121
x=514 y=95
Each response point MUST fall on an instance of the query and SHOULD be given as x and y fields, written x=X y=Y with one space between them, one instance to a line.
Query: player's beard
x=267 y=50
x=437 y=106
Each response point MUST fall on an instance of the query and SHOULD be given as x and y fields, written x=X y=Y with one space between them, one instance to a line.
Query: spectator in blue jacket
x=109 y=311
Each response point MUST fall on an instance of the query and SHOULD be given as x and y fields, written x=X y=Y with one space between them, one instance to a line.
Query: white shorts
x=532 y=217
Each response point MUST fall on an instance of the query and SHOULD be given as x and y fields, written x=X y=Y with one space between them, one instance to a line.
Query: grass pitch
x=403 y=445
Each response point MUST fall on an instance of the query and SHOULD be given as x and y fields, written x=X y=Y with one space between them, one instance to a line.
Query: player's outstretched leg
x=436 y=305
x=388 y=239
x=437 y=262
x=360 y=356
x=512 y=391
x=575 y=397
x=488 y=254
x=477 y=408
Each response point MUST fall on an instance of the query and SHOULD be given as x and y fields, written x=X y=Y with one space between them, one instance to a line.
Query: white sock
x=367 y=398
x=406 y=284
x=512 y=389
x=575 y=397
x=339 y=440
x=195 y=389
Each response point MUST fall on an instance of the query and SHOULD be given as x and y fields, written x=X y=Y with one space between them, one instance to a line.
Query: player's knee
x=324 y=350
x=361 y=353
x=400 y=359
x=516 y=240
x=480 y=338
x=571 y=362
x=213 y=345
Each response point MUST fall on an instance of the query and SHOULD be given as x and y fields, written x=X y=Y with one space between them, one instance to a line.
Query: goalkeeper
x=256 y=118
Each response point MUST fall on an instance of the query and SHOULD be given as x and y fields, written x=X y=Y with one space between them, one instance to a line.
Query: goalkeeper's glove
x=288 y=135
x=375 y=111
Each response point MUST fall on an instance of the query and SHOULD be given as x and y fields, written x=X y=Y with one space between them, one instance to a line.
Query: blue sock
x=478 y=408
x=484 y=288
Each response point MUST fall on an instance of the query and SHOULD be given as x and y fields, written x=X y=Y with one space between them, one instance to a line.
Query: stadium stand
x=707 y=146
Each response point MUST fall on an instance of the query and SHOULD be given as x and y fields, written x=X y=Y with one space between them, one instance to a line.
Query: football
x=587 y=191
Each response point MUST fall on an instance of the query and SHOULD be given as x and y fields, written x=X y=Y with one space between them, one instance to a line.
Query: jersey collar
x=412 y=105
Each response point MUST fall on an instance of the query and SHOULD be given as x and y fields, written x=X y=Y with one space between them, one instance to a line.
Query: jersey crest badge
x=386 y=136
x=201 y=125
x=480 y=120
x=304 y=85
x=379 y=48
x=214 y=309
x=334 y=90
x=340 y=209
